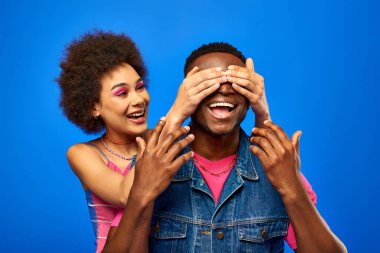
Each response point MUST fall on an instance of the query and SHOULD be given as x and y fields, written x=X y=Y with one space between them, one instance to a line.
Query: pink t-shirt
x=216 y=183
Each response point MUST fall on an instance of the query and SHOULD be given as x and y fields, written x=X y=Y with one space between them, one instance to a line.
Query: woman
x=103 y=89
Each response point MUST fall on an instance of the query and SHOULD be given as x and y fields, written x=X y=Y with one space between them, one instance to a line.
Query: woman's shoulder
x=84 y=150
x=81 y=147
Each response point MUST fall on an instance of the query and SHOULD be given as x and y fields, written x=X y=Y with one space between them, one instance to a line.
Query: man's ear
x=96 y=110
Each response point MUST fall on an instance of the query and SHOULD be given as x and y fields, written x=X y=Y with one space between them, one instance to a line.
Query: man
x=232 y=196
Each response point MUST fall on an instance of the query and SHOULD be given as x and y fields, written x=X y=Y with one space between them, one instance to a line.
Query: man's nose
x=226 y=89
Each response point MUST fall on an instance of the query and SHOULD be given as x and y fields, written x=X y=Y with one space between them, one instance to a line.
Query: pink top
x=103 y=213
x=216 y=183
x=117 y=219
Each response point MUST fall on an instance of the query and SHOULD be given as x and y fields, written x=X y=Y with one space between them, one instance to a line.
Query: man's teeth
x=221 y=104
x=136 y=114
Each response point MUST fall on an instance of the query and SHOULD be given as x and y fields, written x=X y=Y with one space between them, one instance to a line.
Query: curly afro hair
x=85 y=62
x=214 y=47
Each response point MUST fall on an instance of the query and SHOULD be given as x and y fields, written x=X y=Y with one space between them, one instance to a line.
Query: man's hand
x=279 y=156
x=157 y=161
x=251 y=85
x=156 y=164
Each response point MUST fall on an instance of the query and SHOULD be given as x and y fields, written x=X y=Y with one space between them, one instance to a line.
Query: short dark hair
x=213 y=47
x=85 y=62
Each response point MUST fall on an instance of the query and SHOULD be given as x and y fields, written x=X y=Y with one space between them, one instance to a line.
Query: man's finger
x=167 y=141
x=177 y=147
x=181 y=160
x=271 y=138
x=265 y=145
x=282 y=136
x=260 y=154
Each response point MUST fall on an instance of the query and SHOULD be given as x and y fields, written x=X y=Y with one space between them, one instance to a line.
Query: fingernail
x=266 y=122
x=254 y=129
x=187 y=128
x=218 y=69
x=191 y=136
x=163 y=118
x=230 y=67
x=192 y=153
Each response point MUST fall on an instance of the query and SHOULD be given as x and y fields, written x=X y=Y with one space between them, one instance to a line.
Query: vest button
x=220 y=235
x=264 y=233
x=157 y=228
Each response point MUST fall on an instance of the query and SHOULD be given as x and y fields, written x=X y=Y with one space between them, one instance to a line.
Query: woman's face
x=124 y=102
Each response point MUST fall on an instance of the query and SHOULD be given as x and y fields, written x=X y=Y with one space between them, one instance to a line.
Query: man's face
x=222 y=112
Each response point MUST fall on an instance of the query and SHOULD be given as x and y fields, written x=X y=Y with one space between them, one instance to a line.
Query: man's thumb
x=140 y=146
x=296 y=141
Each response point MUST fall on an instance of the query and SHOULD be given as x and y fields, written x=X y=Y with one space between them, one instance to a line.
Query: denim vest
x=250 y=215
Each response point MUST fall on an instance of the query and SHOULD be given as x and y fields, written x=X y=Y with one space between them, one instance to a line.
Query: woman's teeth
x=136 y=115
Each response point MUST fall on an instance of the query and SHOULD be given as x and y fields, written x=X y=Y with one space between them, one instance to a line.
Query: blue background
x=319 y=60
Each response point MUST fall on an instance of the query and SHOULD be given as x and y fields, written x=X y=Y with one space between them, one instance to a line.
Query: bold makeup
x=140 y=85
x=120 y=91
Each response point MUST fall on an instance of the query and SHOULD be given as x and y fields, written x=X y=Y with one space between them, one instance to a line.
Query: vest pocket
x=168 y=229
x=261 y=232
x=266 y=236
x=167 y=235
